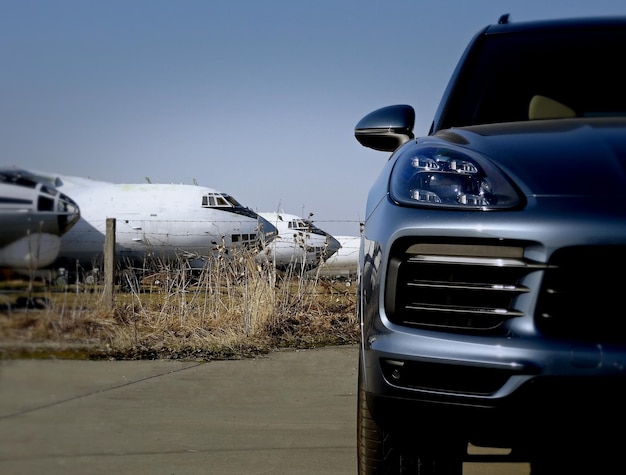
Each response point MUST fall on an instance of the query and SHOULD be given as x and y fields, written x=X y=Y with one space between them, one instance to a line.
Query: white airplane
x=161 y=221
x=345 y=262
x=299 y=242
x=33 y=217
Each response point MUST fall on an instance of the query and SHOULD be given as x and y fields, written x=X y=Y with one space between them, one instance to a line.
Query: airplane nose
x=266 y=229
x=332 y=246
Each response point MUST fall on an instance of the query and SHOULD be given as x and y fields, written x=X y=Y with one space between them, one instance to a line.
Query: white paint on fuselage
x=164 y=221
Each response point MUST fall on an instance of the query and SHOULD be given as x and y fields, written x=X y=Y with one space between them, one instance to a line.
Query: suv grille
x=456 y=287
x=581 y=298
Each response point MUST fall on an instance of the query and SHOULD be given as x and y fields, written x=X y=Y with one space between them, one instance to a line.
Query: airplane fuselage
x=161 y=221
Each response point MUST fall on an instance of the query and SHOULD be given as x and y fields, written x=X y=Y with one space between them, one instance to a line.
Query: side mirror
x=387 y=128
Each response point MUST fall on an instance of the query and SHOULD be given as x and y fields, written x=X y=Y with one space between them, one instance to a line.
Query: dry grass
x=232 y=308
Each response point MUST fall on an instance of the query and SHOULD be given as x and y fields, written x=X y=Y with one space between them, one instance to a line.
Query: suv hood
x=553 y=157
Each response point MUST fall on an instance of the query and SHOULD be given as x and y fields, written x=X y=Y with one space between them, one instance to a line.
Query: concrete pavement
x=285 y=413
x=291 y=412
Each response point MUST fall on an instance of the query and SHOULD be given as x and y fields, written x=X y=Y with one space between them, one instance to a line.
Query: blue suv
x=491 y=283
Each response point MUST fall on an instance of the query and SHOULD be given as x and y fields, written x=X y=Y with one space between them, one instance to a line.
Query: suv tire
x=378 y=454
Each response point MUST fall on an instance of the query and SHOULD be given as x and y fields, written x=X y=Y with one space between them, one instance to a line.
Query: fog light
x=394 y=369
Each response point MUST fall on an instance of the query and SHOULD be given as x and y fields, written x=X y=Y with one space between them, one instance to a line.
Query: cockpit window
x=17 y=178
x=298 y=224
x=219 y=200
x=304 y=225
x=232 y=201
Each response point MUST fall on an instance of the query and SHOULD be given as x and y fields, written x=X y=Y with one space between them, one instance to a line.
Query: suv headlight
x=444 y=177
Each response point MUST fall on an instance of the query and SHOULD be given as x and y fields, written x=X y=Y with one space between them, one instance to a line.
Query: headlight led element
x=449 y=178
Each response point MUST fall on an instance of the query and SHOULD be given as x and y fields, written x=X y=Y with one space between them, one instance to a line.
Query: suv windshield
x=575 y=75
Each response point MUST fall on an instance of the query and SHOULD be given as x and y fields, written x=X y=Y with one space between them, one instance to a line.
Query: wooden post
x=109 y=264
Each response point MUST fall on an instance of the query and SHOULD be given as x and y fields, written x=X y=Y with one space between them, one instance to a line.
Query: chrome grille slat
x=494 y=312
x=475 y=261
x=470 y=286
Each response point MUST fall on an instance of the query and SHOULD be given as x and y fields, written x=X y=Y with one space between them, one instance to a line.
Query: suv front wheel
x=382 y=453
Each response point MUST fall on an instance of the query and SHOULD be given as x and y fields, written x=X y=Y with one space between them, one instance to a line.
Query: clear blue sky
x=258 y=99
